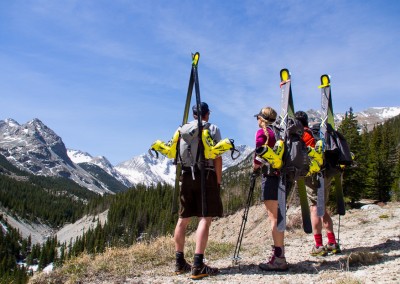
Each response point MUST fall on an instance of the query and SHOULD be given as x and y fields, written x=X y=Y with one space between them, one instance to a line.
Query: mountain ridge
x=36 y=148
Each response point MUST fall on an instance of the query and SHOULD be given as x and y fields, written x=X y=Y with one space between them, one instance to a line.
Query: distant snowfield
x=390 y=112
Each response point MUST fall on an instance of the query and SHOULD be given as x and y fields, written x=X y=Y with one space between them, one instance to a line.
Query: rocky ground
x=369 y=237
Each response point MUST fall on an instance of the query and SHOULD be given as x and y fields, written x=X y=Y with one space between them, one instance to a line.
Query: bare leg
x=327 y=222
x=179 y=235
x=315 y=220
x=272 y=210
x=202 y=234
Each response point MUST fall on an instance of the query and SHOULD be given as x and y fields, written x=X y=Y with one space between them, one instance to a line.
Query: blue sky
x=110 y=77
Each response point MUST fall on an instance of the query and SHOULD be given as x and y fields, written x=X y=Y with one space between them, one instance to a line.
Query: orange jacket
x=308 y=138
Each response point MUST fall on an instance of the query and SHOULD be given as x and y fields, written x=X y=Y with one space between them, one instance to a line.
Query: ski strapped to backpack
x=289 y=155
x=331 y=151
x=171 y=149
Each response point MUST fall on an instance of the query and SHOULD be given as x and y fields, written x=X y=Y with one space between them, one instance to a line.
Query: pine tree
x=353 y=182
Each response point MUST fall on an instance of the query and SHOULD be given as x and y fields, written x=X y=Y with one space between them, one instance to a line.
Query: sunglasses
x=265 y=118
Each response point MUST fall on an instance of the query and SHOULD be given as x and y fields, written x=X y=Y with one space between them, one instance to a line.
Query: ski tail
x=305 y=209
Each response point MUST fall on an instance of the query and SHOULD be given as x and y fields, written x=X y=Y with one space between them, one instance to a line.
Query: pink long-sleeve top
x=261 y=138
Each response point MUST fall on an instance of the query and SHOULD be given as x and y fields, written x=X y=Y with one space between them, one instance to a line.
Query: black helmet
x=302 y=117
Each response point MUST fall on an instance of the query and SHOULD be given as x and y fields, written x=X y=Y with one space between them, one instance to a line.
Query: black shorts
x=269 y=188
x=191 y=197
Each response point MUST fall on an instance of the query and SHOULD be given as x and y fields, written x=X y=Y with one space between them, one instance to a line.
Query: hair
x=270 y=114
x=302 y=117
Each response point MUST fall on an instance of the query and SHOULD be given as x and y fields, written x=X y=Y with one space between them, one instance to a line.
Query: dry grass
x=360 y=258
x=348 y=279
x=137 y=260
x=340 y=278
x=294 y=222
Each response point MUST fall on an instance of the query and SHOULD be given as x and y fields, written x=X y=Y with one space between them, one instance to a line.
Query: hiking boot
x=333 y=248
x=182 y=268
x=318 y=251
x=274 y=264
x=203 y=271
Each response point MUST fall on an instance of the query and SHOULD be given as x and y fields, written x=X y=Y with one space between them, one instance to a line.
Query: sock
x=279 y=251
x=198 y=259
x=331 y=237
x=318 y=240
x=180 y=257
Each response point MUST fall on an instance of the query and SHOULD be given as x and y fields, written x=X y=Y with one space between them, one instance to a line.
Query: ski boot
x=317 y=152
x=167 y=149
x=272 y=156
x=212 y=151
x=314 y=167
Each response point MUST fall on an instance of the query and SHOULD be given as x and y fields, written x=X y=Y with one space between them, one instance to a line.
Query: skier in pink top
x=269 y=187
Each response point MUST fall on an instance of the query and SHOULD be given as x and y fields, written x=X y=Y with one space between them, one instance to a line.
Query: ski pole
x=236 y=258
x=338 y=239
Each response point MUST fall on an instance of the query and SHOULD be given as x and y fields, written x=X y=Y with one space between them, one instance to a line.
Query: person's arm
x=260 y=140
x=218 y=168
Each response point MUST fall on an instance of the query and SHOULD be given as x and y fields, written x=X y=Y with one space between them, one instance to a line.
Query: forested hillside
x=51 y=200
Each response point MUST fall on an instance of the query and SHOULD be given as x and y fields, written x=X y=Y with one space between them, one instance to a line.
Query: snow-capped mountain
x=368 y=117
x=35 y=148
x=79 y=157
x=148 y=170
x=227 y=160
x=145 y=169
x=376 y=115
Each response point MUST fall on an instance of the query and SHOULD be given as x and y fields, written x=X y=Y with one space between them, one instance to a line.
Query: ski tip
x=195 y=58
x=285 y=74
x=325 y=81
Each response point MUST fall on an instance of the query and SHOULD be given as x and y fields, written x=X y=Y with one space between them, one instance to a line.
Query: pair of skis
x=286 y=112
x=328 y=118
x=193 y=83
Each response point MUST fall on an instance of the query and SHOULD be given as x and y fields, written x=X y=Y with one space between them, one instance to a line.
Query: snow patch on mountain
x=78 y=157
x=148 y=170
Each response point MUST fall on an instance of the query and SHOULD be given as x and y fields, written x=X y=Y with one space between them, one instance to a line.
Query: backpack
x=295 y=158
x=337 y=150
x=188 y=154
